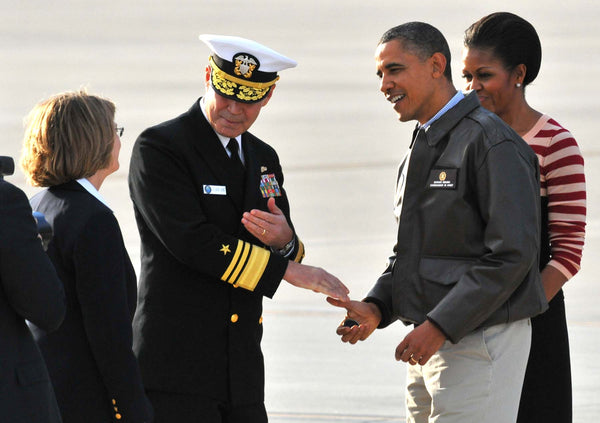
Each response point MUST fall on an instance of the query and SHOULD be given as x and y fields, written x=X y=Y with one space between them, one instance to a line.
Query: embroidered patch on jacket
x=269 y=187
x=442 y=179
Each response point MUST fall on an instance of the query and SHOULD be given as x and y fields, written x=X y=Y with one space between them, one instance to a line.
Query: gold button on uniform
x=234 y=318
x=260 y=320
x=118 y=416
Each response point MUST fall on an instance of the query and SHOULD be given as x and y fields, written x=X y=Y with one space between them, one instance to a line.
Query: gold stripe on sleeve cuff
x=254 y=269
x=247 y=266
x=234 y=260
x=246 y=248
x=300 y=254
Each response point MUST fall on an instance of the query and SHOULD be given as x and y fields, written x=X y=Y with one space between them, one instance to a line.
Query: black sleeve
x=27 y=274
x=381 y=294
x=101 y=269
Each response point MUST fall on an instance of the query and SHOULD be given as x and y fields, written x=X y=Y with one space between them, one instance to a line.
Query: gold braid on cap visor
x=247 y=90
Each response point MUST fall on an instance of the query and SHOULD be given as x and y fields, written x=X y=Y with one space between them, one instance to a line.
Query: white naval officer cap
x=242 y=69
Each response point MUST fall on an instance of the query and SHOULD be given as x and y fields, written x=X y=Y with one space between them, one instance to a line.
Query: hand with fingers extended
x=420 y=344
x=271 y=228
x=317 y=279
x=366 y=315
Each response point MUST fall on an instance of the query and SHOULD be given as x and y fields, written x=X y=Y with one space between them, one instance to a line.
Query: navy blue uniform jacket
x=198 y=325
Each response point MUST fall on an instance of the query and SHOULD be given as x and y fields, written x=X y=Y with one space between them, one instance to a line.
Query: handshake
x=362 y=318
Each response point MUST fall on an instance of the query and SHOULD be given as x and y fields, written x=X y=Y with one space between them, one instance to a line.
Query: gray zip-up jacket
x=469 y=233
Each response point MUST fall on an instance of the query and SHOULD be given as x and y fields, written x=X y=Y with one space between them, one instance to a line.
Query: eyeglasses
x=119 y=130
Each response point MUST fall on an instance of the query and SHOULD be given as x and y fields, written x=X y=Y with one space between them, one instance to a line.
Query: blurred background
x=338 y=140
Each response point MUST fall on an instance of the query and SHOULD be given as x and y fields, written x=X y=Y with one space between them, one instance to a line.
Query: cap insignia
x=245 y=64
x=236 y=88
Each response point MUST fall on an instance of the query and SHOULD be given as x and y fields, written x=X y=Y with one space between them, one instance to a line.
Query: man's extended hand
x=271 y=228
x=367 y=315
x=317 y=279
x=420 y=344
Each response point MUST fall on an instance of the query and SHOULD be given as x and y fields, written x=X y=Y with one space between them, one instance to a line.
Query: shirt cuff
x=287 y=249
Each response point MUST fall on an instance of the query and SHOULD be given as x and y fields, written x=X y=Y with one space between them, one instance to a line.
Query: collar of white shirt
x=453 y=102
x=92 y=190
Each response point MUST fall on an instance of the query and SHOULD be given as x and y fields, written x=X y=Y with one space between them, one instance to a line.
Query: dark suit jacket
x=29 y=289
x=95 y=374
x=198 y=325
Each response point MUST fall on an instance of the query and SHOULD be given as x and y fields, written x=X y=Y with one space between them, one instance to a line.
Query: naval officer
x=216 y=234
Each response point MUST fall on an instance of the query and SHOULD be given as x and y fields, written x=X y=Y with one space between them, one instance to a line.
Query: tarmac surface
x=339 y=143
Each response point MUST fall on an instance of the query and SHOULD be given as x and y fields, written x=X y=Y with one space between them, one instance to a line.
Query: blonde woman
x=71 y=145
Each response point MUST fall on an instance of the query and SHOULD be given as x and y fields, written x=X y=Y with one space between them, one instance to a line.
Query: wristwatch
x=287 y=248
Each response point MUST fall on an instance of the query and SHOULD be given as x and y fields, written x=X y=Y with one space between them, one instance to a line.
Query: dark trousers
x=546 y=395
x=171 y=407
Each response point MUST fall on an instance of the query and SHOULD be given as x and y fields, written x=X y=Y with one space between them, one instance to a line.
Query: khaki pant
x=477 y=380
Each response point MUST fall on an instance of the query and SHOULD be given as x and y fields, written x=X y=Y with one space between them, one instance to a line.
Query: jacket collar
x=243 y=196
x=74 y=185
x=85 y=183
x=448 y=120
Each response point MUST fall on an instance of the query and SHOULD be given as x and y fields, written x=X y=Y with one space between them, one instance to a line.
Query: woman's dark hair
x=510 y=38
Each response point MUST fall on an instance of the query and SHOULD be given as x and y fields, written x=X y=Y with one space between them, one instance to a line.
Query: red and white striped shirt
x=562 y=180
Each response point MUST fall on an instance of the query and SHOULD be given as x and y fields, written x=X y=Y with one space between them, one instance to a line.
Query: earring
x=518 y=84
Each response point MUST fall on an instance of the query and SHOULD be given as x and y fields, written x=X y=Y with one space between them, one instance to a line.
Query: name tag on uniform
x=214 y=189
x=442 y=179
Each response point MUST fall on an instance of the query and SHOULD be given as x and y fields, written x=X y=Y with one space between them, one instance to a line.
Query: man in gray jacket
x=465 y=269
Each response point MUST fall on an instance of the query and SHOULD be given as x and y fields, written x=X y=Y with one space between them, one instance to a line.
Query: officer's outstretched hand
x=271 y=228
x=317 y=279
x=366 y=315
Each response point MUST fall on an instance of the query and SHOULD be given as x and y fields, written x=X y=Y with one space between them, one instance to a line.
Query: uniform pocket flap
x=445 y=271
x=32 y=372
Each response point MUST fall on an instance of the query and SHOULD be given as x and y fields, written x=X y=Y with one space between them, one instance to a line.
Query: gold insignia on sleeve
x=225 y=249
x=442 y=176
x=247 y=266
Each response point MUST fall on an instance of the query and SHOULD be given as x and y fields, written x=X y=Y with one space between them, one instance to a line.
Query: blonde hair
x=67 y=137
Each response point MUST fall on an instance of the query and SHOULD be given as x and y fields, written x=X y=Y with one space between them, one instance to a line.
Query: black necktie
x=233 y=148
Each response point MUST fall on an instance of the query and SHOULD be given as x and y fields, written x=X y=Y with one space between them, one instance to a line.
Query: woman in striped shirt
x=502 y=55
